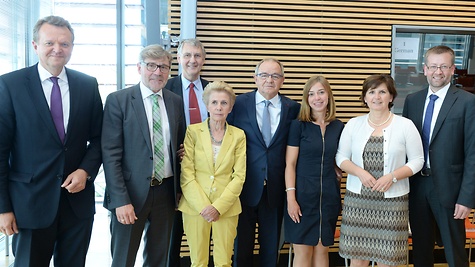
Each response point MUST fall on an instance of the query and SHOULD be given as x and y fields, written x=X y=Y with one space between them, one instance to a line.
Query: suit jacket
x=33 y=161
x=452 y=146
x=262 y=161
x=127 y=149
x=203 y=182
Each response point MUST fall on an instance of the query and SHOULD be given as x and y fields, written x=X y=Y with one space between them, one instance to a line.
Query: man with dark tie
x=442 y=194
x=50 y=152
x=265 y=116
x=189 y=85
x=142 y=130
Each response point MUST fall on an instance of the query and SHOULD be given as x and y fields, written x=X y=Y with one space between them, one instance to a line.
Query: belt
x=426 y=172
x=155 y=182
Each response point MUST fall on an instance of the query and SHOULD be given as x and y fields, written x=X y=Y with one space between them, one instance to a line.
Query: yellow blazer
x=203 y=182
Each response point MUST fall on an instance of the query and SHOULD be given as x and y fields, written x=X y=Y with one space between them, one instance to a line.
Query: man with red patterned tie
x=189 y=85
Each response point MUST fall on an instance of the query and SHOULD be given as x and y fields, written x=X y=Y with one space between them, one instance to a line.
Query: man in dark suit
x=143 y=127
x=443 y=193
x=49 y=158
x=263 y=195
x=191 y=56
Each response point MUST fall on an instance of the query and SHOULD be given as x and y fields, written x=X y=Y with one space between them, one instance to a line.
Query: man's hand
x=76 y=181
x=8 y=223
x=126 y=214
x=181 y=152
x=461 y=212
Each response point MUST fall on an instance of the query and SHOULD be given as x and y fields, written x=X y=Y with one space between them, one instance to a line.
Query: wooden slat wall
x=345 y=41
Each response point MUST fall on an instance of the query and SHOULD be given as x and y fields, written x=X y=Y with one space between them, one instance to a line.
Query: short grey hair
x=52 y=20
x=272 y=60
x=193 y=42
x=155 y=51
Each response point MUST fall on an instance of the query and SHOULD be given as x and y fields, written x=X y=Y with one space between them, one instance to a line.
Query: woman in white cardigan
x=379 y=151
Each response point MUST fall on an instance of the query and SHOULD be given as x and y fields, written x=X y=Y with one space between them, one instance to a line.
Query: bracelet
x=290 y=189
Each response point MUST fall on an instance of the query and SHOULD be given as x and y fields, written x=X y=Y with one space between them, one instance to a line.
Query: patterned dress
x=374 y=228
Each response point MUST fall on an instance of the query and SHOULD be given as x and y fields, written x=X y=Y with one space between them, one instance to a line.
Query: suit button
x=59 y=176
x=151 y=158
x=211 y=177
x=65 y=149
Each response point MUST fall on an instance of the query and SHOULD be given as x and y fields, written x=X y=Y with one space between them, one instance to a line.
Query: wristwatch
x=394 y=178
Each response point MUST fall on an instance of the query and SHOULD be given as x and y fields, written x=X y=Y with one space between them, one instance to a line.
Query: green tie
x=158 y=156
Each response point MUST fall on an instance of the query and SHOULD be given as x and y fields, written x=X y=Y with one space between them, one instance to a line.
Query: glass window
x=408 y=48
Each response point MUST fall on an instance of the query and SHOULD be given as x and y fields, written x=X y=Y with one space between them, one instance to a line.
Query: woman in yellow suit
x=212 y=176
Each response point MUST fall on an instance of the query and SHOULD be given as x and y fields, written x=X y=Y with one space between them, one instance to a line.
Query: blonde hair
x=219 y=86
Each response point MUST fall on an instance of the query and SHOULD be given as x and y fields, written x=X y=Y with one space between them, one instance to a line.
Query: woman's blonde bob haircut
x=305 y=110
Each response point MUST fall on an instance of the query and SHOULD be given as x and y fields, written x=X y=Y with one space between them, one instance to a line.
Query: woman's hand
x=367 y=179
x=383 y=183
x=293 y=209
x=210 y=213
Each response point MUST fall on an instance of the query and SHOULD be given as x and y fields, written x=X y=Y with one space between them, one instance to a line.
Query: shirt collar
x=441 y=93
x=186 y=83
x=45 y=75
x=260 y=99
x=146 y=92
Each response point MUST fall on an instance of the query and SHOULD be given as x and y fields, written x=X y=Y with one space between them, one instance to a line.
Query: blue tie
x=266 y=133
x=426 y=127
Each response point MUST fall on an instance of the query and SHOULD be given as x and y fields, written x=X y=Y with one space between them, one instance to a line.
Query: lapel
x=251 y=113
x=74 y=93
x=139 y=110
x=170 y=107
x=178 y=86
x=418 y=113
x=283 y=116
x=225 y=145
x=205 y=137
x=447 y=105
x=35 y=90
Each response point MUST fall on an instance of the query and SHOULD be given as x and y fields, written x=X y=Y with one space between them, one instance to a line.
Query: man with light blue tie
x=443 y=194
x=264 y=115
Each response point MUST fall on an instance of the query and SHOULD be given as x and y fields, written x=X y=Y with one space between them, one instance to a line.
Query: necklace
x=212 y=138
x=384 y=122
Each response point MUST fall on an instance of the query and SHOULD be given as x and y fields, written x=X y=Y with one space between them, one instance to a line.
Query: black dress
x=318 y=191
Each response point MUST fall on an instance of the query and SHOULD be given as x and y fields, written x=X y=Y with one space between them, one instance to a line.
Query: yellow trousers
x=198 y=232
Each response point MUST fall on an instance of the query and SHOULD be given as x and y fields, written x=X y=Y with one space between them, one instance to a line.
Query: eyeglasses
x=274 y=76
x=153 y=67
x=435 y=68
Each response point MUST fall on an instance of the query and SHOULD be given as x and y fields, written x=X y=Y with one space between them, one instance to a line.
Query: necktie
x=158 y=156
x=56 y=106
x=266 y=133
x=194 y=108
x=426 y=126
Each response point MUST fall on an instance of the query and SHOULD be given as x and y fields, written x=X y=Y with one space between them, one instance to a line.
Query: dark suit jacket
x=452 y=147
x=127 y=150
x=175 y=85
x=263 y=161
x=33 y=161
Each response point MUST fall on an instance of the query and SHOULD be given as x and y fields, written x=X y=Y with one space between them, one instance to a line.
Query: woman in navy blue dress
x=313 y=190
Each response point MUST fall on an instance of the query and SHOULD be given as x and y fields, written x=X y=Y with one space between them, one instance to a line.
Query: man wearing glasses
x=142 y=129
x=265 y=116
x=443 y=194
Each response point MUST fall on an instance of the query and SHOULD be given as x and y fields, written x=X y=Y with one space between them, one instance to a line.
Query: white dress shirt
x=275 y=108
x=147 y=102
x=437 y=105
x=47 y=85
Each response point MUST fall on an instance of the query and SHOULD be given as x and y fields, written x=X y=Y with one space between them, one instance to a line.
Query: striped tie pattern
x=158 y=156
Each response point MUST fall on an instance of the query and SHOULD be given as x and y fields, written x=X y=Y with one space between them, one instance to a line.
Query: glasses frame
x=152 y=67
x=434 y=68
x=274 y=76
